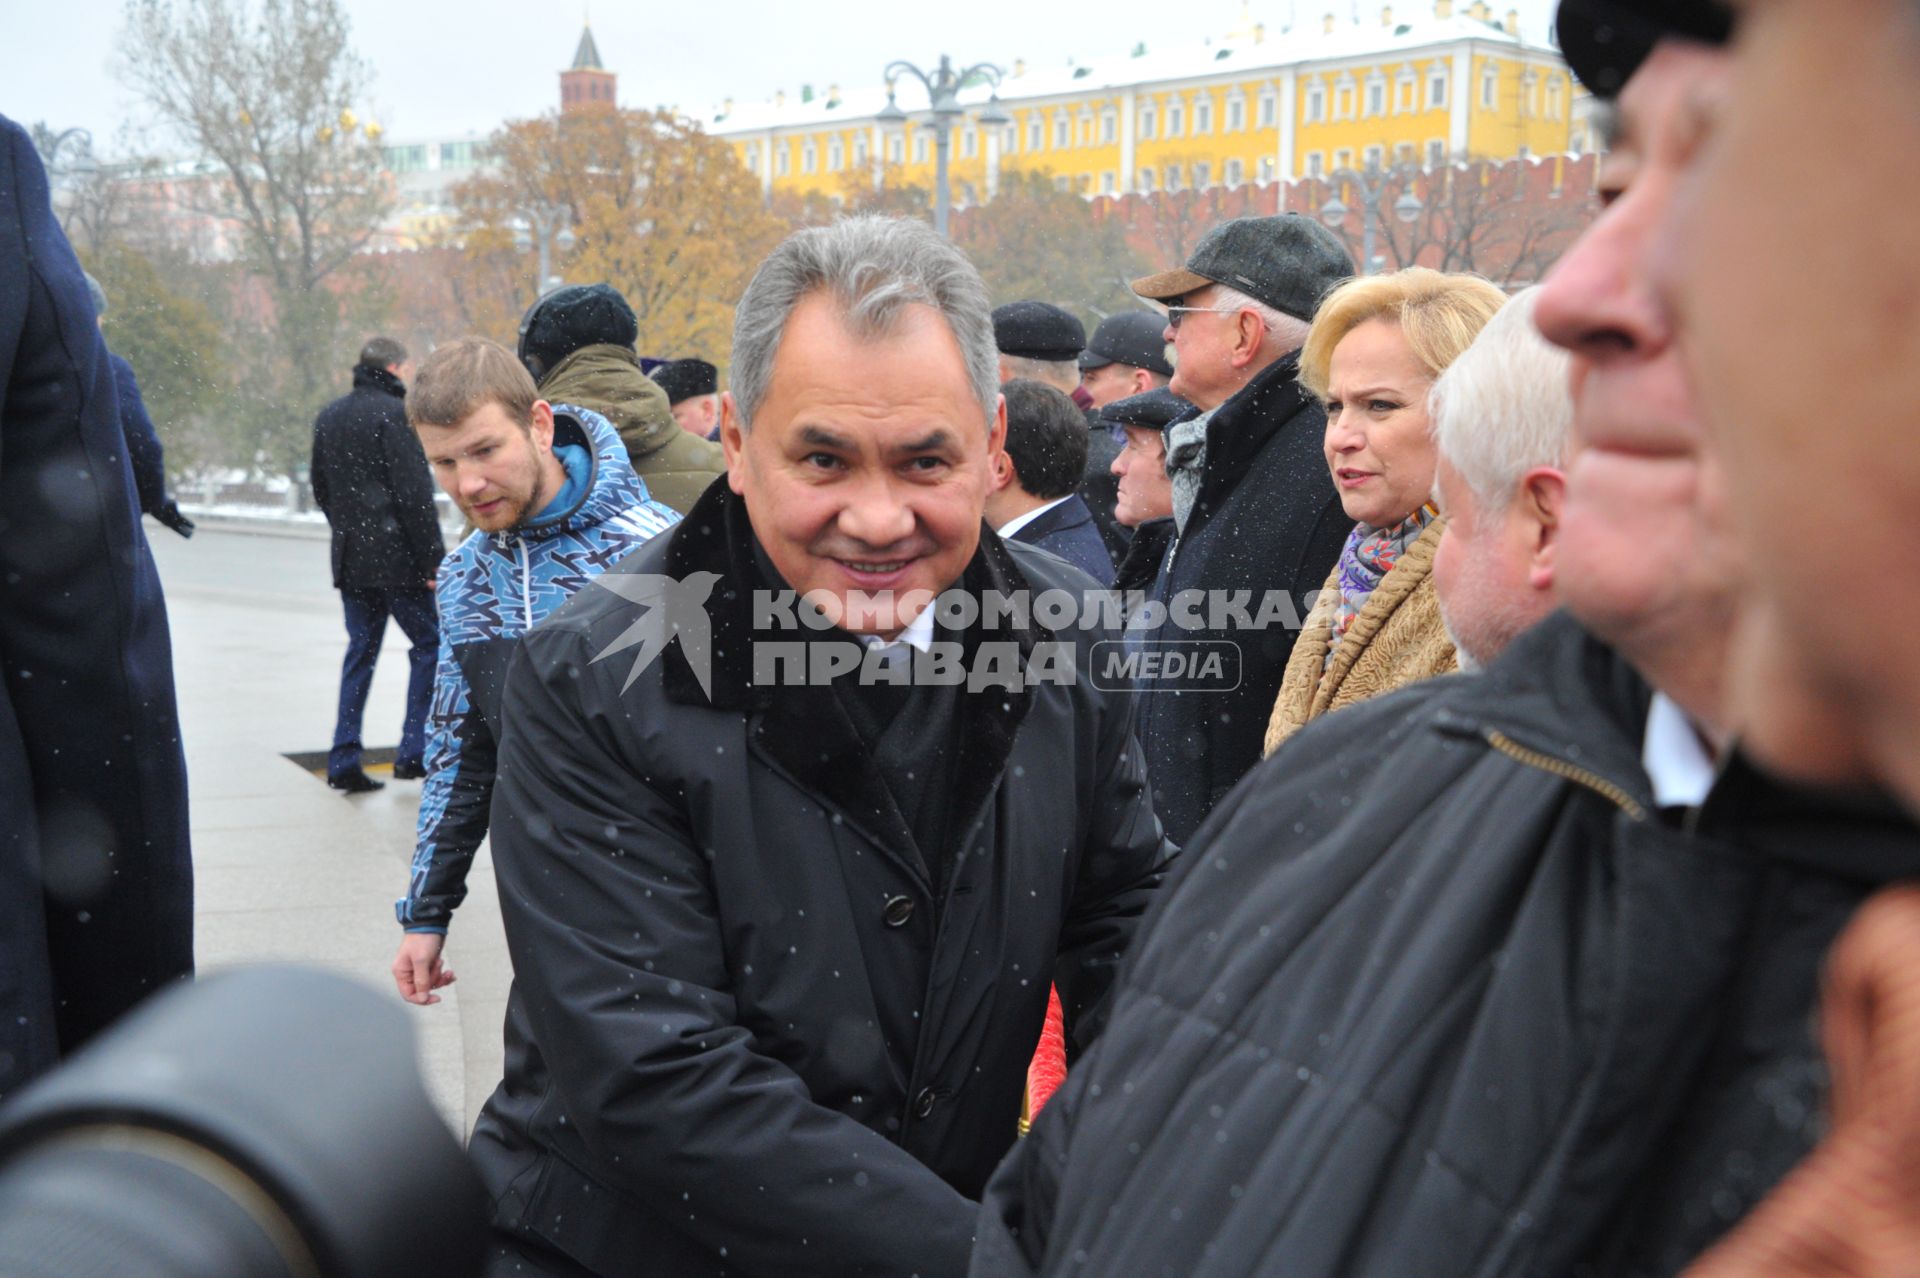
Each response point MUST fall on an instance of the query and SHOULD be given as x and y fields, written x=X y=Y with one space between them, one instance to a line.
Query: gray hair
x=874 y=267
x=1288 y=333
x=1503 y=407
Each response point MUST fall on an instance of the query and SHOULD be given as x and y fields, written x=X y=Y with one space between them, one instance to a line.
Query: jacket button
x=897 y=911
x=923 y=1103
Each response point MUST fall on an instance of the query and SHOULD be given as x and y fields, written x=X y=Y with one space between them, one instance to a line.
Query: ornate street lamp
x=943 y=98
x=1372 y=186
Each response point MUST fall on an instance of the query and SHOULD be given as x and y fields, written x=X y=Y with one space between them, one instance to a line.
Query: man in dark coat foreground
x=96 y=886
x=1505 y=974
x=371 y=480
x=783 y=924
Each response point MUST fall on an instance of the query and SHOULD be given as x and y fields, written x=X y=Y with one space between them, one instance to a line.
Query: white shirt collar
x=918 y=634
x=1018 y=522
x=1676 y=760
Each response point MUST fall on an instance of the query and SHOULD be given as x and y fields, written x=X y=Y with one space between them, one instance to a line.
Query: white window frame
x=1489 y=87
x=809 y=156
x=1109 y=127
x=1316 y=102
x=1173 y=179
x=836 y=155
x=920 y=147
x=1437 y=87
x=1374 y=157
x=1145 y=181
x=783 y=160
x=969 y=142
x=1086 y=126
x=1316 y=164
x=1236 y=112
x=1267 y=170
x=1376 y=96
x=1036 y=133
x=1147 y=113
x=897 y=149
x=1109 y=182
x=1269 y=108
x=1436 y=152
x=1176 y=117
x=1062 y=132
x=1203 y=115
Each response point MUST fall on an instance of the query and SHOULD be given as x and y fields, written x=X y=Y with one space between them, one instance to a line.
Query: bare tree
x=267 y=91
x=1504 y=221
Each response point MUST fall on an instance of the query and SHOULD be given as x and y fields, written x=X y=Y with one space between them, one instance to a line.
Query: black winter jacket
x=96 y=884
x=370 y=477
x=1267 y=520
x=1436 y=991
x=744 y=1037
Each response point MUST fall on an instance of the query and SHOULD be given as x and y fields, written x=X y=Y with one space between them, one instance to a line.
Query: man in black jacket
x=1256 y=515
x=96 y=885
x=1505 y=974
x=371 y=480
x=783 y=903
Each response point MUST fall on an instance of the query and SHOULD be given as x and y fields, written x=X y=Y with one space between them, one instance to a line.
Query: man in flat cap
x=578 y=342
x=1255 y=511
x=1144 y=494
x=693 y=390
x=1127 y=355
x=1038 y=340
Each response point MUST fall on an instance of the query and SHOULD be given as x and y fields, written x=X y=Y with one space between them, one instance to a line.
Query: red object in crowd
x=1048 y=1068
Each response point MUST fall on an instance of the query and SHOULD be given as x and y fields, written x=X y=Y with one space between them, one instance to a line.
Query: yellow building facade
x=1449 y=82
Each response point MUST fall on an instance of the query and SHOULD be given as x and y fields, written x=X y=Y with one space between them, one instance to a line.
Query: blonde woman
x=1376 y=346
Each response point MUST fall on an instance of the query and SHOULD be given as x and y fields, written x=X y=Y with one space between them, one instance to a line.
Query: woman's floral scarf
x=1365 y=561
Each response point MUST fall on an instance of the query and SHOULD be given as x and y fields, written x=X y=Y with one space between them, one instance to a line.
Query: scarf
x=1187 y=464
x=1365 y=561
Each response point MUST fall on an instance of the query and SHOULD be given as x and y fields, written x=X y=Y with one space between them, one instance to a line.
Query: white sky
x=447 y=67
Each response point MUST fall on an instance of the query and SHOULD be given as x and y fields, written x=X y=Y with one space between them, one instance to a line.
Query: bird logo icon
x=673 y=607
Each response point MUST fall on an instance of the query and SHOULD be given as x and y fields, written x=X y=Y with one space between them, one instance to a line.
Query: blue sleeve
x=458 y=790
x=143 y=442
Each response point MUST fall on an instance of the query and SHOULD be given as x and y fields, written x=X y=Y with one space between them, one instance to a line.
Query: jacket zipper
x=1566 y=771
x=526 y=583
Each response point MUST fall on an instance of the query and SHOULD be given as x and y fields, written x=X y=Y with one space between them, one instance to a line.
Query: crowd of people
x=1332 y=774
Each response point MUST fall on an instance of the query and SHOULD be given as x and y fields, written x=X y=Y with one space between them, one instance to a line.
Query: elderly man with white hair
x=1501 y=418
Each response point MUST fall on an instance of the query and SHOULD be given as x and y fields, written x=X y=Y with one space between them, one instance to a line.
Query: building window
x=919 y=148
x=1146 y=121
x=1316 y=164
x=783 y=160
x=970 y=142
x=1109 y=127
x=1062 y=139
x=753 y=158
x=1554 y=109
x=1316 y=103
x=1109 y=182
x=1403 y=153
x=1173 y=177
x=1146 y=180
x=1236 y=114
x=1086 y=127
x=1061 y=182
x=1436 y=153
x=1529 y=92
x=809 y=156
x=1203 y=115
x=836 y=155
x=896 y=149
x=1437 y=87
x=1036 y=134
x=1235 y=174
x=1376 y=156
x=860 y=148
x=1176 y=119
x=1010 y=140
x=1343 y=158
x=1490 y=87
x=1269 y=109
x=1267 y=168
x=1376 y=97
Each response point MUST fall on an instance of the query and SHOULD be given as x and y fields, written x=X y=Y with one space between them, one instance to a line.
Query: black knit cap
x=1155 y=410
x=1605 y=41
x=1037 y=330
x=686 y=378
x=568 y=318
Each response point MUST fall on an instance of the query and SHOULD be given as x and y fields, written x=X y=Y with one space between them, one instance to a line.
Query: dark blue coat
x=1068 y=531
x=143 y=442
x=96 y=889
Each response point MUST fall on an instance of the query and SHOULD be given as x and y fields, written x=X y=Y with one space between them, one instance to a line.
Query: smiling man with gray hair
x=782 y=946
x=1502 y=420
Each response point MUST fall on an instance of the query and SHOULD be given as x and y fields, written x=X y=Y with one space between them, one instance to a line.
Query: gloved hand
x=170 y=515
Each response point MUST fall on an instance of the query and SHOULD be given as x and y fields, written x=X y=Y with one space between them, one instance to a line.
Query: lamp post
x=1372 y=186
x=943 y=96
x=546 y=225
x=50 y=147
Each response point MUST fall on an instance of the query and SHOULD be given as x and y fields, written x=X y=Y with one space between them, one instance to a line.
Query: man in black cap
x=371 y=481
x=1030 y=494
x=578 y=342
x=1506 y=973
x=1254 y=507
x=693 y=391
x=1127 y=355
x=1039 y=341
x=1144 y=494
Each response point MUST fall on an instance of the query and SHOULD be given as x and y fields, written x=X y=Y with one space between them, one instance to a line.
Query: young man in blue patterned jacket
x=555 y=502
